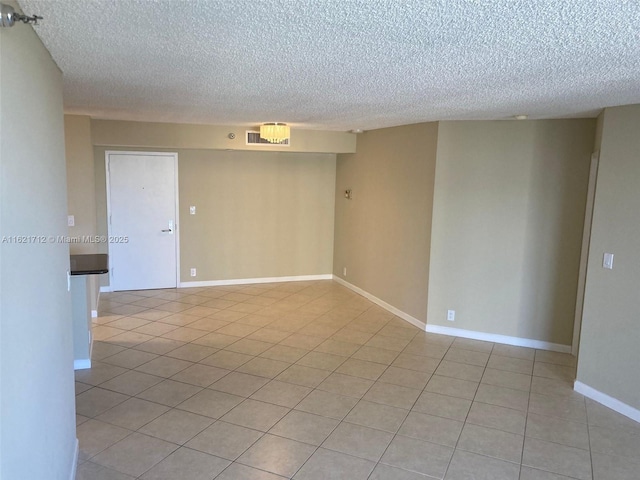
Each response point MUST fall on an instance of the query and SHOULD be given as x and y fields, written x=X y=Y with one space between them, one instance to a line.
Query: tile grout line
x=412 y=406
x=271 y=379
x=341 y=327
x=589 y=438
x=347 y=414
x=526 y=422
x=467 y=416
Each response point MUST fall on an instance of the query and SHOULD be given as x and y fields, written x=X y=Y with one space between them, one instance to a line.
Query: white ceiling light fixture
x=275 y=132
x=521 y=117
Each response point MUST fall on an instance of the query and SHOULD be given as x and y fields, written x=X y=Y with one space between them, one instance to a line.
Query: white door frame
x=176 y=228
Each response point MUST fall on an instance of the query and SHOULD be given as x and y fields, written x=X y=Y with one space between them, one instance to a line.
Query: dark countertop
x=89 y=264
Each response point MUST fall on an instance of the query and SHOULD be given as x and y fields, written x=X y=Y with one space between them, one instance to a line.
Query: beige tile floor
x=310 y=381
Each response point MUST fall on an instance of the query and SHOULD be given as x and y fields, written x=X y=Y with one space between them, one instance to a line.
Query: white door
x=142 y=210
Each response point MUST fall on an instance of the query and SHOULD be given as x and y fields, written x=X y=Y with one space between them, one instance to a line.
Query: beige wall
x=175 y=135
x=507 y=226
x=80 y=180
x=382 y=235
x=37 y=411
x=610 y=337
x=259 y=214
x=81 y=192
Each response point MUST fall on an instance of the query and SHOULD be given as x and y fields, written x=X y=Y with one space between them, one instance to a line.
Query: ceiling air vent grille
x=254 y=138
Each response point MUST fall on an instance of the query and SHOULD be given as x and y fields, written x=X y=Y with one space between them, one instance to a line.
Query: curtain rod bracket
x=8 y=17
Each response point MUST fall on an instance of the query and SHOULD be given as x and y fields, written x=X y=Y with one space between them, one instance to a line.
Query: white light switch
x=607 y=261
x=192 y=210
x=71 y=220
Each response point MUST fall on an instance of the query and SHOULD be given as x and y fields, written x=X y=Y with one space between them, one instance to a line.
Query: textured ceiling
x=341 y=64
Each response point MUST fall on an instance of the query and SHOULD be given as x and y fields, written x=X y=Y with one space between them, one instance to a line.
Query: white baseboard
x=82 y=364
x=246 y=281
x=74 y=465
x=243 y=281
x=457 y=332
x=607 y=401
x=399 y=313
x=495 y=338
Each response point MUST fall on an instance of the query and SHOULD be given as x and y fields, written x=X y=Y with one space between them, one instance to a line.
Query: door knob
x=167 y=230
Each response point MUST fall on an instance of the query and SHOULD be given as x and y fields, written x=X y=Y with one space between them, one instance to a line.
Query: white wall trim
x=607 y=401
x=82 y=363
x=105 y=289
x=457 y=332
x=246 y=281
x=74 y=465
x=399 y=313
x=494 y=337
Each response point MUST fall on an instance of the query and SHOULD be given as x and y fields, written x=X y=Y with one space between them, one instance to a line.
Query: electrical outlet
x=71 y=221
x=192 y=210
x=344 y=271
x=451 y=315
x=193 y=272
